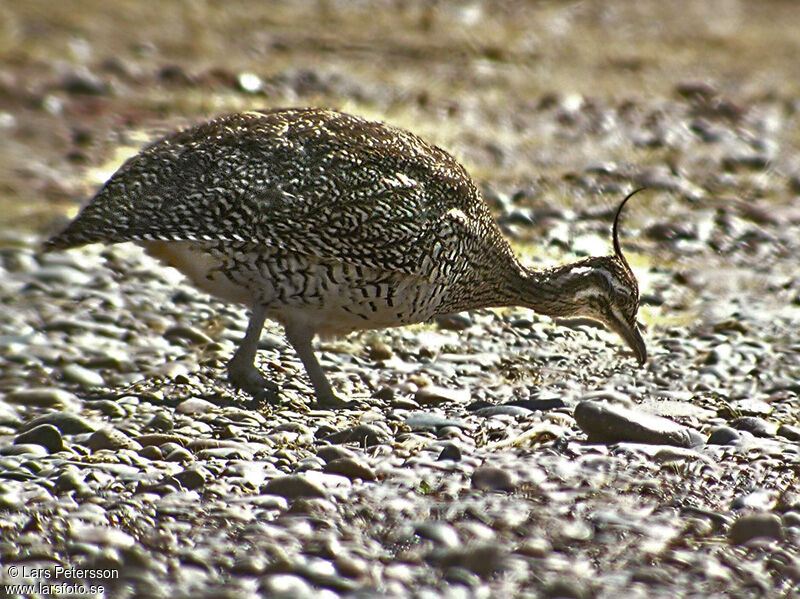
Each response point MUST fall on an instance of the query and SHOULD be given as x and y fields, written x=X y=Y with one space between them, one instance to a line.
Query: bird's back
x=314 y=182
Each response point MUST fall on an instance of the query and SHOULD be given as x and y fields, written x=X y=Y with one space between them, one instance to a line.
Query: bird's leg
x=242 y=372
x=300 y=336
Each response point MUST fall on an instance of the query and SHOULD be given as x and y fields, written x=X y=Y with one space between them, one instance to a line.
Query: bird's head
x=602 y=288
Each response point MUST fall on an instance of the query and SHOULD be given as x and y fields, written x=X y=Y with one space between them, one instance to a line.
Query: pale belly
x=331 y=297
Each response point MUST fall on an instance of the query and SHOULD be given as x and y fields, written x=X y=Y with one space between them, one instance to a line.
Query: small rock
x=504 y=410
x=194 y=406
x=433 y=395
x=450 y=451
x=535 y=547
x=378 y=351
x=66 y=423
x=186 y=333
x=100 y=535
x=363 y=434
x=111 y=438
x=71 y=480
x=330 y=453
x=428 y=421
x=293 y=487
x=352 y=469
x=440 y=533
x=193 y=478
x=538 y=405
x=489 y=478
x=566 y=588
x=45 y=435
x=160 y=422
x=177 y=454
x=84 y=377
x=8 y=415
x=483 y=560
x=454 y=322
x=724 y=435
x=80 y=80
x=757 y=426
x=789 y=432
x=756 y=525
x=604 y=422
x=44 y=397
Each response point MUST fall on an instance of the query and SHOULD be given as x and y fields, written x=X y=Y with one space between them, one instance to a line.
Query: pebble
x=45 y=435
x=431 y=421
x=195 y=406
x=351 y=468
x=113 y=439
x=293 y=487
x=450 y=451
x=8 y=415
x=100 y=535
x=724 y=435
x=483 y=560
x=539 y=405
x=330 y=453
x=186 y=333
x=504 y=410
x=44 y=397
x=605 y=422
x=792 y=433
x=454 y=322
x=757 y=426
x=362 y=434
x=65 y=422
x=441 y=533
x=431 y=395
x=193 y=478
x=84 y=377
x=490 y=478
x=756 y=525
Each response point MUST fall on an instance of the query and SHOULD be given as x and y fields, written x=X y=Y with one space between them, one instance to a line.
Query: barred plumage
x=329 y=223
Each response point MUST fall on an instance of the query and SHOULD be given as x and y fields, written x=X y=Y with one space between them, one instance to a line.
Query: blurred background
x=552 y=101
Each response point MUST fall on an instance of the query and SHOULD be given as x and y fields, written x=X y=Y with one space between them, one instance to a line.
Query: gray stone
x=67 y=423
x=756 y=525
x=351 y=468
x=489 y=478
x=440 y=533
x=293 y=487
x=434 y=395
x=45 y=435
x=334 y=452
x=792 y=433
x=450 y=451
x=111 y=438
x=429 y=421
x=757 y=426
x=724 y=435
x=605 y=422
x=44 y=397
x=363 y=434
x=194 y=406
x=84 y=377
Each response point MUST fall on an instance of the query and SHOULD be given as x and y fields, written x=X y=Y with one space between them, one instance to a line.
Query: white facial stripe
x=617 y=313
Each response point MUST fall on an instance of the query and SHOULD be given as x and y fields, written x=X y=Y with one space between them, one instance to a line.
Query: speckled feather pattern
x=307 y=208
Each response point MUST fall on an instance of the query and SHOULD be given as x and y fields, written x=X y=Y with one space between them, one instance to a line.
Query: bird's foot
x=249 y=379
x=328 y=399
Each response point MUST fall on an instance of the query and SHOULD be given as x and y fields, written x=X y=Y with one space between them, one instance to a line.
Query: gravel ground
x=492 y=454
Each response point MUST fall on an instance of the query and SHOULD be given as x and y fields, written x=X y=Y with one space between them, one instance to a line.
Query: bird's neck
x=550 y=292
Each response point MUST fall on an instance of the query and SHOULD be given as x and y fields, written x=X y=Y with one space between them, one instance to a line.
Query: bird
x=330 y=223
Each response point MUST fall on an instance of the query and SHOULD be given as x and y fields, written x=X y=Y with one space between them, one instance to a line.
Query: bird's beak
x=633 y=337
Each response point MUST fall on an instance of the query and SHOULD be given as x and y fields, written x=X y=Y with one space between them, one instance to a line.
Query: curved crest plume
x=615 y=227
